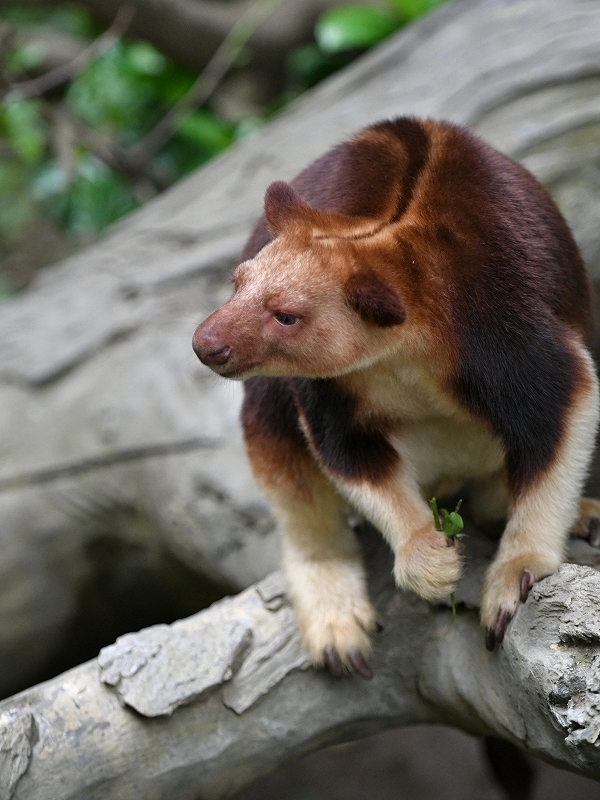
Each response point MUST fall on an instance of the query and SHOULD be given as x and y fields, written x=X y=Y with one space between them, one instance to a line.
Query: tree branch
x=202 y=707
x=190 y=31
x=206 y=83
x=66 y=72
x=134 y=161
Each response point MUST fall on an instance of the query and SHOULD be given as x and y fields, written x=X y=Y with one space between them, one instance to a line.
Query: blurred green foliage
x=69 y=18
x=122 y=94
x=343 y=32
x=354 y=26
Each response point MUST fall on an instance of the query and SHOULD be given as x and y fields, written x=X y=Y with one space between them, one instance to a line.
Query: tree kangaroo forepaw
x=430 y=564
x=339 y=638
x=505 y=586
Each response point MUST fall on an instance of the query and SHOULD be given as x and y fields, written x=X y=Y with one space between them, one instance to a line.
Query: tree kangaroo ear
x=374 y=300
x=283 y=205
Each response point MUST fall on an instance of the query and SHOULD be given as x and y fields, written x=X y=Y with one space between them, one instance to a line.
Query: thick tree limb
x=202 y=707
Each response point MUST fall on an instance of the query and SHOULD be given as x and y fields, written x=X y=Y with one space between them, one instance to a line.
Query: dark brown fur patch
x=276 y=445
x=346 y=447
x=515 y=284
x=374 y=300
x=411 y=133
x=361 y=177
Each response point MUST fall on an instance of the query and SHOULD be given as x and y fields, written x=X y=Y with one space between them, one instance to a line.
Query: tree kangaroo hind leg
x=543 y=513
x=587 y=524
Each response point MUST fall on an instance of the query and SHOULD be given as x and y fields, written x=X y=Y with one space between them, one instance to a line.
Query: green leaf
x=206 y=130
x=95 y=197
x=453 y=523
x=448 y=522
x=145 y=59
x=26 y=57
x=411 y=9
x=435 y=512
x=111 y=92
x=307 y=64
x=69 y=19
x=172 y=84
x=353 y=27
x=23 y=127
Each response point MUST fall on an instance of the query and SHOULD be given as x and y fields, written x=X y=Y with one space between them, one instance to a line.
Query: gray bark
x=110 y=428
x=201 y=707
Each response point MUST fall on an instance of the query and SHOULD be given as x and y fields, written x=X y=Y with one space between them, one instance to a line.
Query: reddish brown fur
x=411 y=274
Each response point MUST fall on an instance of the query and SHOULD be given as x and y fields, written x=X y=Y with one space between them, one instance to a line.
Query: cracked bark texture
x=109 y=427
x=202 y=707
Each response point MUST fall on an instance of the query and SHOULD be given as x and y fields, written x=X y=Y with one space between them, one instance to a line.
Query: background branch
x=35 y=87
x=191 y=31
x=206 y=83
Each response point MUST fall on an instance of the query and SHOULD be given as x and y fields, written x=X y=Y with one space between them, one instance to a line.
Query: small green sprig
x=451 y=523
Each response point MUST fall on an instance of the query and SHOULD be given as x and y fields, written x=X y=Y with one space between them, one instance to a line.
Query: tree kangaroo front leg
x=361 y=460
x=324 y=569
x=321 y=556
x=534 y=541
x=425 y=561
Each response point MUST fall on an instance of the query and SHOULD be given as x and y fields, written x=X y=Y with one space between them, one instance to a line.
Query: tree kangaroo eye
x=286 y=319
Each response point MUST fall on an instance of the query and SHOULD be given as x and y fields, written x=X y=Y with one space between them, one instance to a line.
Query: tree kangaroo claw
x=360 y=664
x=525 y=585
x=504 y=617
x=334 y=662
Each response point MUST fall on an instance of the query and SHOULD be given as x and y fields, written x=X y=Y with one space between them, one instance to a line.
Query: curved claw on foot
x=360 y=664
x=525 y=585
x=594 y=532
x=356 y=661
x=494 y=636
x=501 y=623
x=334 y=662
